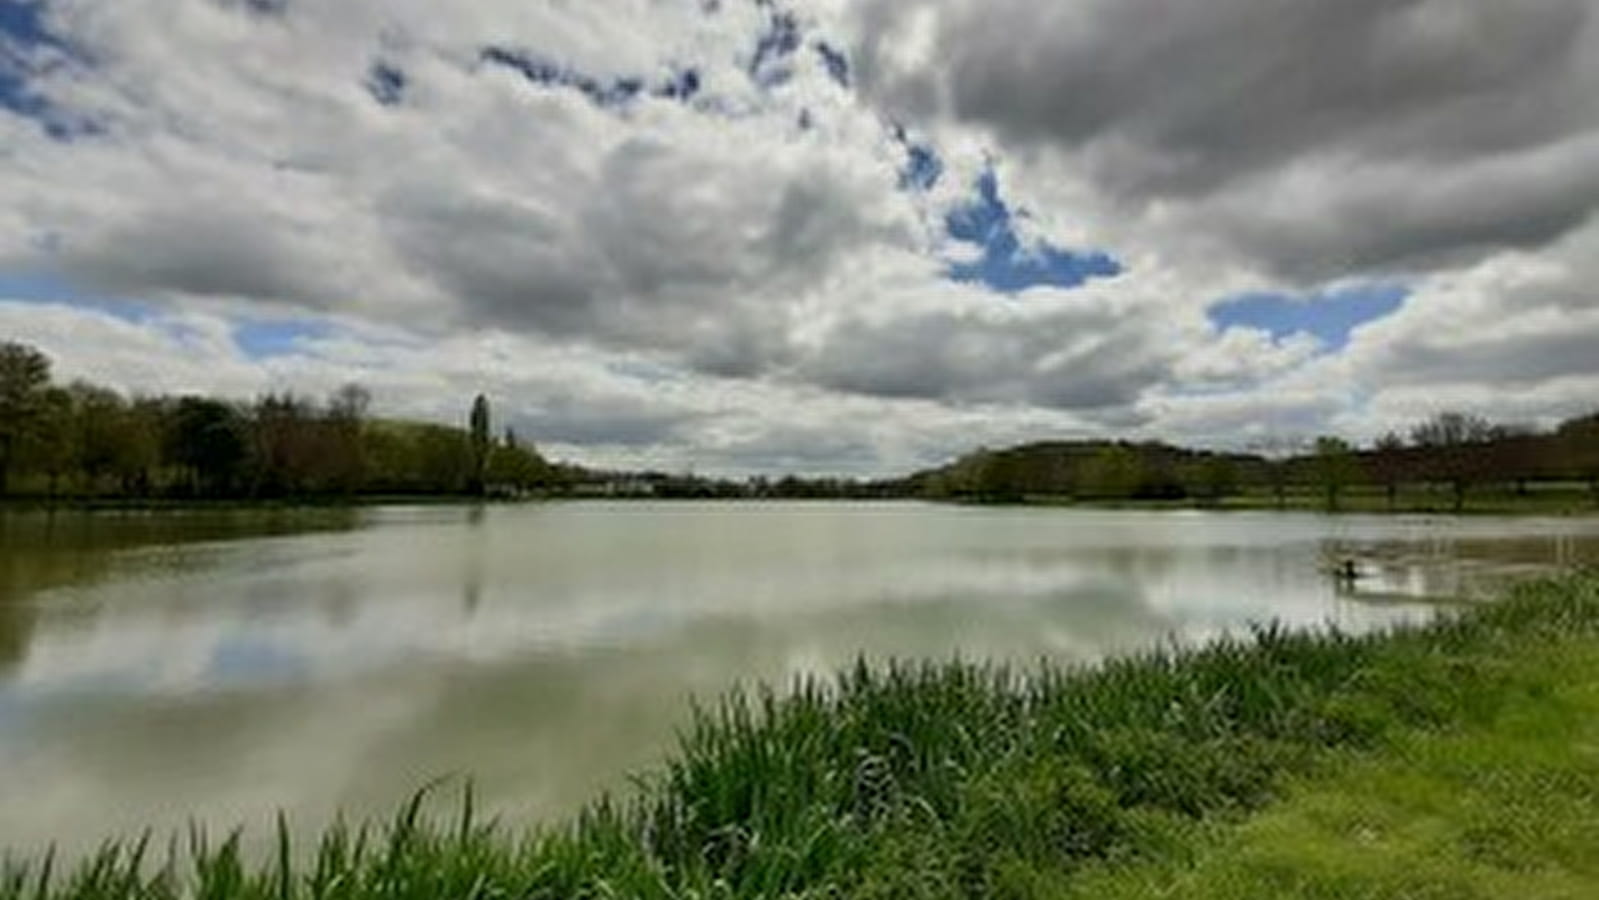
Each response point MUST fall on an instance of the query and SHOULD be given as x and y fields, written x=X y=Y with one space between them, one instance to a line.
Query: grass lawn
x=1541 y=499
x=1508 y=807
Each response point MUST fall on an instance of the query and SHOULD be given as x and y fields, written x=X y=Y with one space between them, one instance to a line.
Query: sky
x=833 y=237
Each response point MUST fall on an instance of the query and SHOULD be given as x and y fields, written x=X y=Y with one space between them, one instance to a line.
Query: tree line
x=1449 y=458
x=88 y=441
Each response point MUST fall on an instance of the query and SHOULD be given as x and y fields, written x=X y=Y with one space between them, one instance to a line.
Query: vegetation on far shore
x=1209 y=771
x=83 y=442
x=1450 y=463
x=89 y=445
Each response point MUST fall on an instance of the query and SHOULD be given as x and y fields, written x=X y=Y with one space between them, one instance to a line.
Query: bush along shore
x=963 y=780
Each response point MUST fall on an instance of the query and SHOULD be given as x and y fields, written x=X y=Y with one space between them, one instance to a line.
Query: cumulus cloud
x=726 y=236
x=1314 y=139
x=1085 y=353
x=1510 y=324
x=238 y=154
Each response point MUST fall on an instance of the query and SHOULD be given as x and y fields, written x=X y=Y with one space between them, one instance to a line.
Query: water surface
x=220 y=666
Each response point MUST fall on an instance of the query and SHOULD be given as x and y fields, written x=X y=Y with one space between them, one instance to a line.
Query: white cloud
x=751 y=251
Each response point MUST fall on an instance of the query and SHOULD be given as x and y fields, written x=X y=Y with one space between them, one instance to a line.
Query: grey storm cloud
x=571 y=423
x=1436 y=126
x=1496 y=361
x=221 y=250
x=596 y=414
x=1080 y=358
x=661 y=250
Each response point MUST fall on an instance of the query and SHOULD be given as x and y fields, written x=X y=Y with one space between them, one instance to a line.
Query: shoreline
x=1565 y=507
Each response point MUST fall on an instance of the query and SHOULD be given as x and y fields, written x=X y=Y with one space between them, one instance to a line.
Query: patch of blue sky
x=923 y=167
x=836 y=61
x=386 y=83
x=258 y=337
x=49 y=290
x=1003 y=262
x=1330 y=315
x=262 y=338
x=780 y=40
x=638 y=370
x=22 y=28
x=267 y=7
x=682 y=84
x=22 y=35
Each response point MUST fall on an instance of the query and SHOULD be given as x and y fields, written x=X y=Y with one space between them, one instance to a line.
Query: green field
x=1546 y=499
x=1459 y=759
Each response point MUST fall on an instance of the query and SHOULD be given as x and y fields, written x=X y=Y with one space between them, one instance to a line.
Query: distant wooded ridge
x=1452 y=454
x=86 y=441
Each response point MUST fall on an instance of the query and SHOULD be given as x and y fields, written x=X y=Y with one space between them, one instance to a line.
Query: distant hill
x=1089 y=470
x=1451 y=452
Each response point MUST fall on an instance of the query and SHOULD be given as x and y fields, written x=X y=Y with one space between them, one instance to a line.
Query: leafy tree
x=1276 y=470
x=1216 y=477
x=139 y=447
x=515 y=465
x=1002 y=478
x=1335 y=468
x=445 y=462
x=100 y=416
x=964 y=479
x=93 y=439
x=1115 y=471
x=208 y=441
x=50 y=445
x=481 y=443
x=24 y=374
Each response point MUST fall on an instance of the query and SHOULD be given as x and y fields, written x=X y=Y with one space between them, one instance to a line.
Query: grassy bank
x=1507 y=807
x=1245 y=763
x=1562 y=499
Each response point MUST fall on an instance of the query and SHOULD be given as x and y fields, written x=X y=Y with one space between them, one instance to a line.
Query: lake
x=222 y=665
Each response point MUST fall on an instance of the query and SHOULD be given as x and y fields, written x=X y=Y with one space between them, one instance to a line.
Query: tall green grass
x=917 y=780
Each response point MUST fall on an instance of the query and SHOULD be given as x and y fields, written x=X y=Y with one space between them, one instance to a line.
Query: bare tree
x=1453 y=443
x=1388 y=466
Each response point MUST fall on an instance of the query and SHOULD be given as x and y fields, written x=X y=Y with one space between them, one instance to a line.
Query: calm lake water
x=162 y=667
